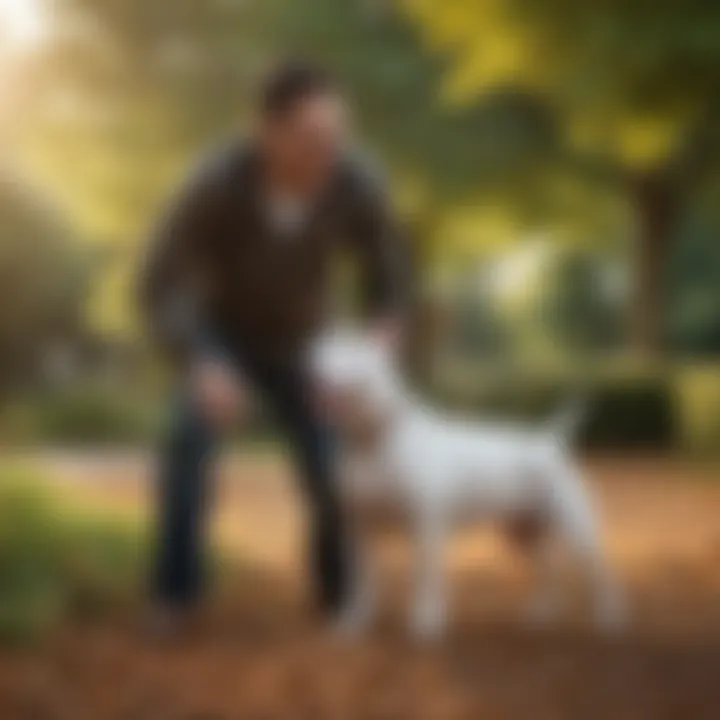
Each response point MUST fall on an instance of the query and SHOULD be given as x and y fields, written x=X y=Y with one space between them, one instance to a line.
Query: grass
x=56 y=563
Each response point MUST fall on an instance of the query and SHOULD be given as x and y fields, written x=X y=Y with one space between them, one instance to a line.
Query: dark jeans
x=178 y=575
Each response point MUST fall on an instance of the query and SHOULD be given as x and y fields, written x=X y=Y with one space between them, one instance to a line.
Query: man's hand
x=388 y=332
x=219 y=391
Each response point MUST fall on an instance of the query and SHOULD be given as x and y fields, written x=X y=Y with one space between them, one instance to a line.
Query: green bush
x=55 y=564
x=92 y=414
x=698 y=390
x=627 y=410
x=632 y=416
x=95 y=415
x=102 y=415
x=624 y=413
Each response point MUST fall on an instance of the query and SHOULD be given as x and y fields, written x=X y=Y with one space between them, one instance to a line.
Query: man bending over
x=236 y=285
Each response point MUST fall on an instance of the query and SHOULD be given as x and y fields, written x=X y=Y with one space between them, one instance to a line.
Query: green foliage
x=694 y=286
x=94 y=415
x=633 y=89
x=639 y=417
x=42 y=279
x=394 y=82
x=56 y=565
x=576 y=309
x=699 y=403
x=543 y=112
x=676 y=410
x=625 y=412
x=87 y=414
x=618 y=61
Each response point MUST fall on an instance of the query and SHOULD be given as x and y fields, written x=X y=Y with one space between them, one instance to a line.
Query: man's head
x=303 y=123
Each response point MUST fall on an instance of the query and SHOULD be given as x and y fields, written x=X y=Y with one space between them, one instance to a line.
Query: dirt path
x=260 y=656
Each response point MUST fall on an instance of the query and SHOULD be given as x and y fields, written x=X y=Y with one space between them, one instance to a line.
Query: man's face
x=306 y=141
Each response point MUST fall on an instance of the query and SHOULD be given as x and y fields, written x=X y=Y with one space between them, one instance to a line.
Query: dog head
x=355 y=376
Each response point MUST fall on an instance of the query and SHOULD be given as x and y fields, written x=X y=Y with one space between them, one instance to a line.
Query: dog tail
x=566 y=423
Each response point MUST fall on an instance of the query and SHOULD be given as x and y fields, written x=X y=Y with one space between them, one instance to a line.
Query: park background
x=556 y=166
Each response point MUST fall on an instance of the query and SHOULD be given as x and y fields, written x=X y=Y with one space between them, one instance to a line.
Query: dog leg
x=427 y=620
x=528 y=534
x=577 y=524
x=609 y=605
x=359 y=610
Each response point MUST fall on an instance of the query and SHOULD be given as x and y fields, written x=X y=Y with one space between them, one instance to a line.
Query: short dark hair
x=292 y=82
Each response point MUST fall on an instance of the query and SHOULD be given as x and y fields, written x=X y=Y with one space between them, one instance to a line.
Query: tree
x=122 y=97
x=695 y=282
x=128 y=91
x=444 y=160
x=578 y=307
x=42 y=277
x=634 y=86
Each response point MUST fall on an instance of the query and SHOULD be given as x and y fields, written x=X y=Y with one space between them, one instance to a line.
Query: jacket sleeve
x=175 y=276
x=379 y=247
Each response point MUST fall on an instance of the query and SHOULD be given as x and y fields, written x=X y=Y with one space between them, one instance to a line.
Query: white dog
x=400 y=456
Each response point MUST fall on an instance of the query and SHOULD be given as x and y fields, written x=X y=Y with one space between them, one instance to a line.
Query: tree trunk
x=657 y=204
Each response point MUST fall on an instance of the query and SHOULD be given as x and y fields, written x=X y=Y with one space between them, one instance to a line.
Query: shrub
x=92 y=414
x=624 y=412
x=698 y=390
x=101 y=415
x=55 y=564
x=633 y=416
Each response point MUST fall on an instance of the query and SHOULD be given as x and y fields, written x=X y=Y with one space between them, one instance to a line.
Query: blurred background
x=557 y=165
x=557 y=168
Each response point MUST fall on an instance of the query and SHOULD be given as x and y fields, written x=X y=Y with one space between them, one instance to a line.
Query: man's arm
x=175 y=284
x=379 y=246
x=175 y=275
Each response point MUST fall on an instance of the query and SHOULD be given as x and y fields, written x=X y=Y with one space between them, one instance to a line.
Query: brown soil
x=258 y=654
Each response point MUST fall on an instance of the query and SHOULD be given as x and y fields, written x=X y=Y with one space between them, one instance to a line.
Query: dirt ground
x=259 y=654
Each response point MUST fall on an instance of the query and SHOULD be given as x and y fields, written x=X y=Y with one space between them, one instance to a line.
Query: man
x=236 y=285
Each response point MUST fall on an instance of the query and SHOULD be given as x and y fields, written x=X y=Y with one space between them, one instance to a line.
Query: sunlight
x=22 y=22
x=517 y=271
